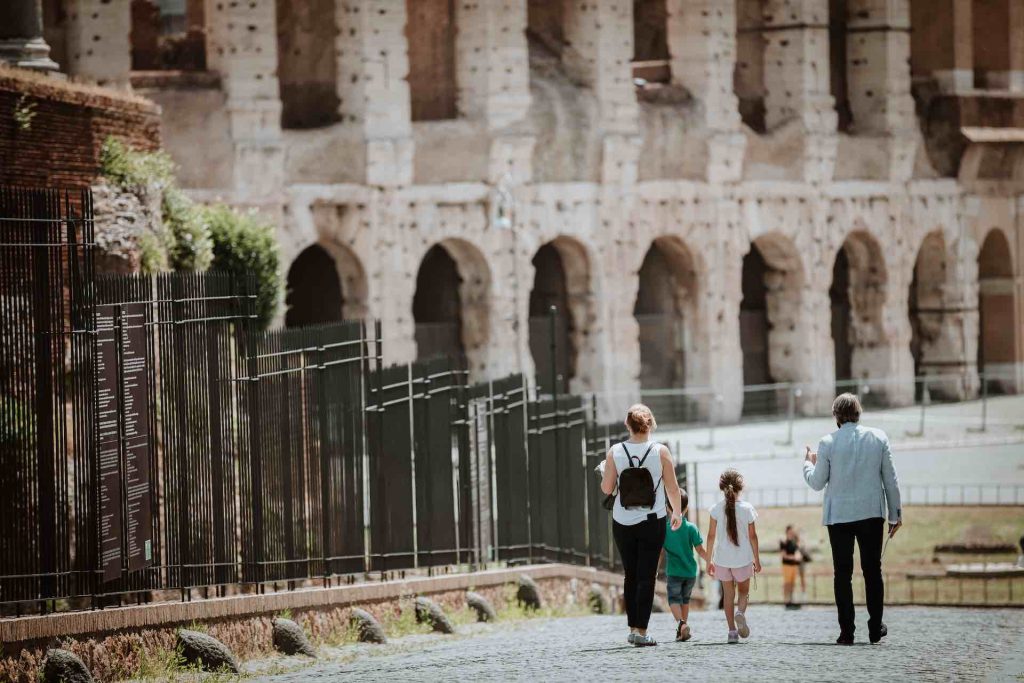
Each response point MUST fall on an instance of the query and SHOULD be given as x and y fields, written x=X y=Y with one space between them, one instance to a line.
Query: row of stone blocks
x=207 y=653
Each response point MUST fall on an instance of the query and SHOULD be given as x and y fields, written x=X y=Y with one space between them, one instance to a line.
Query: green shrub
x=243 y=246
x=131 y=169
x=17 y=422
x=153 y=256
x=192 y=248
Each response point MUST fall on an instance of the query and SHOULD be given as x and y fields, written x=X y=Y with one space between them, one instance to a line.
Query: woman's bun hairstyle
x=640 y=419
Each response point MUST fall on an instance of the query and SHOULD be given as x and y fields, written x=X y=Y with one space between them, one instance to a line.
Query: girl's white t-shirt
x=727 y=553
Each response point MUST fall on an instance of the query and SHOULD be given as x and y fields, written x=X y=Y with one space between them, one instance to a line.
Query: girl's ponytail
x=731 y=483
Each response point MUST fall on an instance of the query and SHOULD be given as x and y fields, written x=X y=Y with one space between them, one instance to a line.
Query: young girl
x=736 y=558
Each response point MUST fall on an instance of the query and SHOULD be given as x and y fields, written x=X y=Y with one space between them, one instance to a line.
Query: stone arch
x=997 y=329
x=991 y=26
x=770 y=318
x=168 y=36
x=857 y=295
x=650 y=41
x=451 y=305
x=838 y=74
x=562 y=278
x=326 y=282
x=307 y=73
x=430 y=33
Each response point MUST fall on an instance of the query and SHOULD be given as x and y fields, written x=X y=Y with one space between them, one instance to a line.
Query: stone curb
x=160 y=615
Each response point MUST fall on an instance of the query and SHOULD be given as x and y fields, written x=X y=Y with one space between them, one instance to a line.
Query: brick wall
x=56 y=139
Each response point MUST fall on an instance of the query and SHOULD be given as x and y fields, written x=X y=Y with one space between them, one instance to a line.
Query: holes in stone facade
x=430 y=31
x=168 y=35
x=306 y=66
x=997 y=331
x=650 y=41
x=665 y=312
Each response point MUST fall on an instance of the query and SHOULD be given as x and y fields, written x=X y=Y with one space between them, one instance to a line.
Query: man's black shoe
x=876 y=636
x=845 y=639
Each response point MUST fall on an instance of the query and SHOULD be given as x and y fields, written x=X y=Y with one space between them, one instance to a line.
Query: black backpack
x=636 y=485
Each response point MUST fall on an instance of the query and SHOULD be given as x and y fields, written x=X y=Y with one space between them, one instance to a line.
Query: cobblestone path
x=925 y=644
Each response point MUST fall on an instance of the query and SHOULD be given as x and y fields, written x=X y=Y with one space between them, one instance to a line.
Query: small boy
x=681 y=568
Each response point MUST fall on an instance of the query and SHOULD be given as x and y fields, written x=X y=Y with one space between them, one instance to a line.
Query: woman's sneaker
x=682 y=632
x=644 y=640
x=734 y=637
x=741 y=625
x=631 y=638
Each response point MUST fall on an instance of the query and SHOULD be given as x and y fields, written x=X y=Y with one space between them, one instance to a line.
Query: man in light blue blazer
x=854 y=466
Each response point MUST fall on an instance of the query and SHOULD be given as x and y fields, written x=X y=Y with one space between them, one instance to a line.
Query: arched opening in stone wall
x=306 y=63
x=665 y=312
x=430 y=31
x=545 y=26
x=168 y=35
x=748 y=75
x=857 y=295
x=838 y=82
x=772 y=278
x=927 y=306
x=990 y=44
x=325 y=283
x=561 y=279
x=997 y=329
x=650 y=41
x=451 y=306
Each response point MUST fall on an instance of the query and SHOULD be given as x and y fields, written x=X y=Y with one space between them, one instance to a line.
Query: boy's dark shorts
x=679 y=590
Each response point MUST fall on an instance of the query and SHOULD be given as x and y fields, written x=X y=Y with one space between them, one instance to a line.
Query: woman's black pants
x=640 y=548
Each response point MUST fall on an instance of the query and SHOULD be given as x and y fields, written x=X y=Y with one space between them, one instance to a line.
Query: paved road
x=926 y=644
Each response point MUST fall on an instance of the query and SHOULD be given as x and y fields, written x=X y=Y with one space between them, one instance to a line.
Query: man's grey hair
x=846 y=408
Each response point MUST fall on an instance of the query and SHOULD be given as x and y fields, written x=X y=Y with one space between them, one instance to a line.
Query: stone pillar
x=99 y=40
x=878 y=77
x=242 y=47
x=702 y=42
x=373 y=63
x=941 y=43
x=796 y=76
x=493 y=73
x=21 y=36
x=597 y=55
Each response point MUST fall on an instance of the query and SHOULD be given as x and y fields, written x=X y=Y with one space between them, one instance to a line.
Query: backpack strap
x=631 y=458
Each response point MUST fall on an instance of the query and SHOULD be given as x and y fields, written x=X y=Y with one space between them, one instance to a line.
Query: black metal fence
x=154 y=441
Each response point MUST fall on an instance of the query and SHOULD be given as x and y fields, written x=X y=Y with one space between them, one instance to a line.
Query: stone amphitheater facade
x=669 y=171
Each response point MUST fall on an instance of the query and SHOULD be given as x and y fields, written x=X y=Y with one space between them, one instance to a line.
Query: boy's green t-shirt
x=679 y=545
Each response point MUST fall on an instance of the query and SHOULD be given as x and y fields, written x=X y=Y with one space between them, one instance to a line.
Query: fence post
x=412 y=463
x=712 y=418
x=791 y=395
x=925 y=398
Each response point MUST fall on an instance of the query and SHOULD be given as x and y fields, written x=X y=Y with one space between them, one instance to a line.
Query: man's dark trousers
x=868 y=534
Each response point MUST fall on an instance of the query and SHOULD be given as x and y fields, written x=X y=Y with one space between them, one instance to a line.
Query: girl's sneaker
x=741 y=625
x=644 y=640
x=734 y=637
x=682 y=632
x=631 y=638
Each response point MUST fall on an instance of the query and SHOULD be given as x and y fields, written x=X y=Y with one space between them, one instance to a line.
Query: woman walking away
x=642 y=472
x=736 y=558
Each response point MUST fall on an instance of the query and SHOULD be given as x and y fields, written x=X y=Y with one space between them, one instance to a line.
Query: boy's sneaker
x=682 y=632
x=741 y=625
x=734 y=637
x=644 y=640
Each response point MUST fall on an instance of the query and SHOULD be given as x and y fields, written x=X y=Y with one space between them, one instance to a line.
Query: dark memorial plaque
x=108 y=443
x=135 y=425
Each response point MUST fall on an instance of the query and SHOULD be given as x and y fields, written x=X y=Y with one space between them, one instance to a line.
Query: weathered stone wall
x=547 y=112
